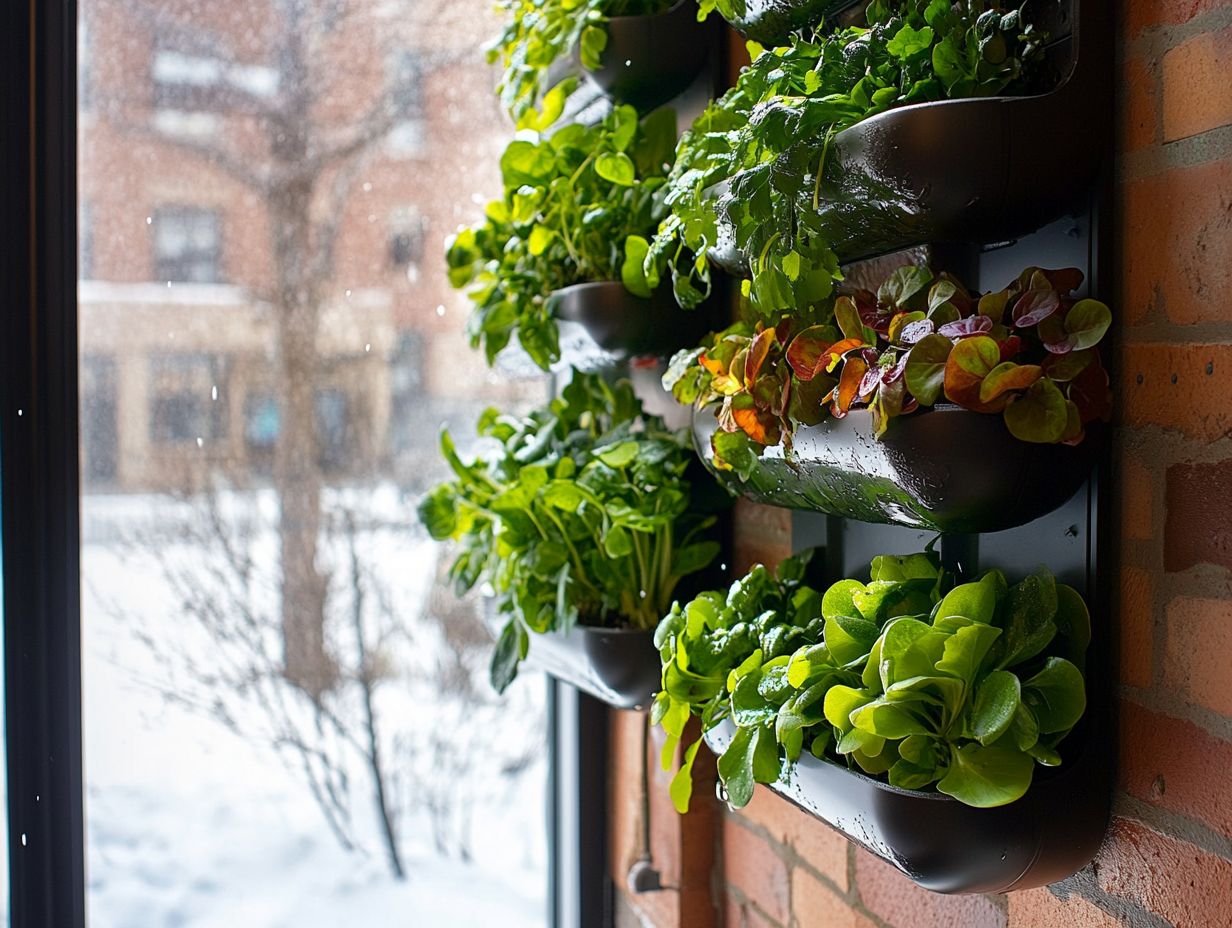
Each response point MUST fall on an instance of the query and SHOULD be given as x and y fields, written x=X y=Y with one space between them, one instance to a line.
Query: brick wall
x=1167 y=859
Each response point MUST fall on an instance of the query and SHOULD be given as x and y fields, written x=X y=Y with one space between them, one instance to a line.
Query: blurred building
x=200 y=127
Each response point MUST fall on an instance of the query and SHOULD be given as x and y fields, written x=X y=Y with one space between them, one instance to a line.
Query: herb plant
x=571 y=200
x=753 y=164
x=965 y=691
x=585 y=513
x=1027 y=353
x=539 y=32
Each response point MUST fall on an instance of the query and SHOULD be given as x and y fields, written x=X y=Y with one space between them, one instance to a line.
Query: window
x=406 y=236
x=187 y=245
x=270 y=642
x=183 y=392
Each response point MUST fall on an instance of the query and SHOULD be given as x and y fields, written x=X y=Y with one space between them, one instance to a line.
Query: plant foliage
x=1027 y=353
x=964 y=689
x=571 y=200
x=538 y=33
x=584 y=513
x=749 y=173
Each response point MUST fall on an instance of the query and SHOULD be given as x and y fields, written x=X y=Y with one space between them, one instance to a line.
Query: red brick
x=1198 y=525
x=1040 y=908
x=743 y=915
x=1136 y=615
x=762 y=535
x=1196 y=404
x=1137 y=488
x=819 y=845
x=1183 y=884
x=1190 y=777
x=1140 y=112
x=817 y=906
x=1199 y=639
x=753 y=867
x=1176 y=246
x=895 y=899
x=1140 y=15
x=1195 y=94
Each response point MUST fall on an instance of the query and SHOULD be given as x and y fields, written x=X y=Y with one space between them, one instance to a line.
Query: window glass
x=287 y=715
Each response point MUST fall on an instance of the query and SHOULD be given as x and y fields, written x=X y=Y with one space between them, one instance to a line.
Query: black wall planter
x=771 y=22
x=618 y=325
x=620 y=666
x=949 y=847
x=946 y=469
x=975 y=170
x=651 y=59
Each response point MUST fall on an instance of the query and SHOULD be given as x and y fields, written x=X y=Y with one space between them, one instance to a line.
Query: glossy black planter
x=977 y=170
x=945 y=469
x=651 y=59
x=617 y=665
x=617 y=325
x=943 y=845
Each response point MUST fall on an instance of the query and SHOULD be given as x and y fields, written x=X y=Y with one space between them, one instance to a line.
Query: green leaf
x=925 y=370
x=617 y=543
x=1029 y=625
x=889 y=720
x=1056 y=696
x=997 y=700
x=1040 y=415
x=681 y=787
x=694 y=557
x=841 y=701
x=511 y=649
x=838 y=599
x=618 y=455
x=975 y=601
x=965 y=651
x=616 y=167
x=1086 y=323
x=591 y=46
x=986 y=776
x=632 y=269
x=1073 y=623
x=736 y=766
x=849 y=638
x=908 y=42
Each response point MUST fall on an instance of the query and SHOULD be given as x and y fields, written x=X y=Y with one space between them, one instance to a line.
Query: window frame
x=39 y=514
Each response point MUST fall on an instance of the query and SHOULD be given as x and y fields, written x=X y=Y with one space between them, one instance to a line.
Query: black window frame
x=39 y=513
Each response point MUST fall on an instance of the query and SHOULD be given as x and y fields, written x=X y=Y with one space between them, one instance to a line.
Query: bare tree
x=300 y=151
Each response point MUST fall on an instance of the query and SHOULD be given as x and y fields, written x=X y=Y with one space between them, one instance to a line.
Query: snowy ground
x=193 y=825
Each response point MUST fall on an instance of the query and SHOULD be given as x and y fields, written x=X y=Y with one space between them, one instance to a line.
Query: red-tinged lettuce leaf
x=807 y=351
x=900 y=321
x=1040 y=415
x=1006 y=377
x=836 y=351
x=1063 y=280
x=993 y=305
x=966 y=328
x=888 y=404
x=902 y=285
x=924 y=372
x=1010 y=347
x=869 y=382
x=1074 y=433
x=807 y=403
x=761 y=425
x=1085 y=324
x=912 y=332
x=1063 y=368
x=848 y=319
x=1089 y=392
x=759 y=350
x=971 y=360
x=848 y=386
x=1034 y=306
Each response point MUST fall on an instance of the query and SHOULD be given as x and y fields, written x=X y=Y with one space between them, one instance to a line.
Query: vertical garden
x=870 y=276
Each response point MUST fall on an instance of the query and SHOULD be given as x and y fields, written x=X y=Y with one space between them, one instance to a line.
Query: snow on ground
x=191 y=825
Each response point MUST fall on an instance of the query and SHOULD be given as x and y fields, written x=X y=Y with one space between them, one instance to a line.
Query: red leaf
x=1034 y=306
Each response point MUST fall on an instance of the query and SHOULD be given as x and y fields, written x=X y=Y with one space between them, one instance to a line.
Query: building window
x=187 y=245
x=405 y=76
x=190 y=80
x=406 y=236
x=184 y=399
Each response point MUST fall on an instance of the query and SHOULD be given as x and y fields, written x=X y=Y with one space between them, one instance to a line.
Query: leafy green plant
x=965 y=690
x=752 y=165
x=539 y=32
x=571 y=201
x=585 y=513
x=1028 y=352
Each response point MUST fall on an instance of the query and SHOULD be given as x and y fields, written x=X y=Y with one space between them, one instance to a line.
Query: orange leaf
x=758 y=351
x=848 y=386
